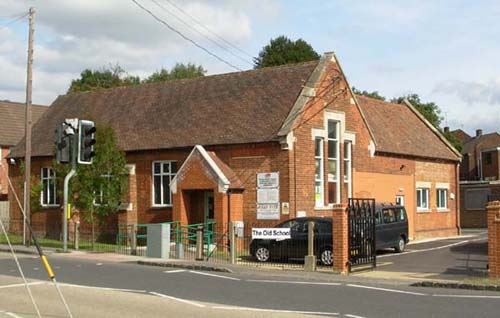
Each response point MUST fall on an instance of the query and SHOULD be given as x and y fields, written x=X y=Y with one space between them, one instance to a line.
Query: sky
x=445 y=51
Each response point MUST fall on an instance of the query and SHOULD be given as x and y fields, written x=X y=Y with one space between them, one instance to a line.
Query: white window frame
x=47 y=179
x=348 y=166
x=427 y=192
x=319 y=183
x=100 y=193
x=438 y=200
x=332 y=178
x=401 y=199
x=170 y=175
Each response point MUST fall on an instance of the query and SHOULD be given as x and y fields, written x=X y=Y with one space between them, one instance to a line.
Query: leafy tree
x=282 y=50
x=453 y=140
x=374 y=94
x=98 y=188
x=179 y=71
x=91 y=80
x=429 y=110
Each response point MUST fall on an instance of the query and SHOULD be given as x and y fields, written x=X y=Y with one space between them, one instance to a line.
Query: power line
x=185 y=37
x=200 y=33
x=5 y=25
x=172 y=3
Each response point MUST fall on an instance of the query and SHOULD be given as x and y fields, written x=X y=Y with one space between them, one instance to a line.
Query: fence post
x=133 y=239
x=232 y=242
x=199 y=243
x=77 y=236
x=310 y=259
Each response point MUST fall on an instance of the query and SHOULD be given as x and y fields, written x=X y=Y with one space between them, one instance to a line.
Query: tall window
x=48 y=195
x=319 y=187
x=348 y=165
x=442 y=199
x=333 y=161
x=422 y=199
x=163 y=173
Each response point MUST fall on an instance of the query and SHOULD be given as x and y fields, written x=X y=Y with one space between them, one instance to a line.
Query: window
x=442 y=199
x=400 y=215
x=101 y=197
x=48 y=195
x=319 y=172
x=163 y=173
x=347 y=165
x=333 y=161
x=389 y=216
x=422 y=199
x=488 y=159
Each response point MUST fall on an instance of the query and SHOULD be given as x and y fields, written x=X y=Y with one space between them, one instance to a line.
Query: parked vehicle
x=296 y=247
x=391 y=227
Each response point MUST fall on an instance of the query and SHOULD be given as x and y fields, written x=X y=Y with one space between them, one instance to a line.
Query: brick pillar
x=493 y=209
x=128 y=213
x=340 y=239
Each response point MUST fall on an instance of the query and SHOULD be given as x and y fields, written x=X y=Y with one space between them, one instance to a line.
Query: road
x=125 y=289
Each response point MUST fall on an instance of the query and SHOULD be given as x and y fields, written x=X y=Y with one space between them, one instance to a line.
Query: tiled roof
x=12 y=121
x=242 y=107
x=461 y=135
x=485 y=141
x=398 y=130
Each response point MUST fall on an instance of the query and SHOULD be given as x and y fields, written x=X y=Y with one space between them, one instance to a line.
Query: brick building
x=11 y=131
x=262 y=145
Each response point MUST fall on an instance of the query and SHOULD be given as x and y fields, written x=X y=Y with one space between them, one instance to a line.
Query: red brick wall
x=494 y=239
x=491 y=171
x=4 y=172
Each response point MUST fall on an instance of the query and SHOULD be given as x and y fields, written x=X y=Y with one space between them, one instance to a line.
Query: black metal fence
x=362 y=240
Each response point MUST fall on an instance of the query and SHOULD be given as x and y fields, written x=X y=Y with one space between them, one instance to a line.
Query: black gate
x=361 y=219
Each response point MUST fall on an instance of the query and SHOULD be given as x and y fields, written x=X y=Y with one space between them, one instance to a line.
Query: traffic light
x=63 y=147
x=86 y=141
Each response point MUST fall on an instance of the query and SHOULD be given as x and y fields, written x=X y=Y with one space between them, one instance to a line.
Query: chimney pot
x=446 y=129
x=479 y=132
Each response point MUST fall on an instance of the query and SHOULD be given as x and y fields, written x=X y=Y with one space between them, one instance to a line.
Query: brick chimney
x=479 y=132
x=446 y=129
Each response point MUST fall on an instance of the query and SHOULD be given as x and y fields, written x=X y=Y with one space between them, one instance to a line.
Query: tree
x=374 y=94
x=429 y=110
x=91 y=80
x=179 y=71
x=453 y=140
x=98 y=188
x=282 y=50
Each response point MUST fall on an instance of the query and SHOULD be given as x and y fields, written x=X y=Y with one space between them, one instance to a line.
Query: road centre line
x=278 y=311
x=290 y=282
x=467 y=296
x=213 y=275
x=387 y=290
x=175 y=271
x=21 y=285
x=178 y=299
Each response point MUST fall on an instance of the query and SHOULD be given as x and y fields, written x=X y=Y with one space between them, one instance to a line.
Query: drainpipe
x=228 y=206
x=457 y=197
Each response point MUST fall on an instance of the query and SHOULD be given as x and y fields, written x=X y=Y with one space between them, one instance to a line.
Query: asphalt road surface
x=113 y=288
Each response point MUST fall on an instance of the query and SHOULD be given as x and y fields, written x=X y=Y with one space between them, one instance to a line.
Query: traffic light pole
x=73 y=145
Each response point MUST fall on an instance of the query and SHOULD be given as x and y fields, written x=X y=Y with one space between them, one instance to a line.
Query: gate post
x=310 y=259
x=232 y=243
x=340 y=239
x=199 y=243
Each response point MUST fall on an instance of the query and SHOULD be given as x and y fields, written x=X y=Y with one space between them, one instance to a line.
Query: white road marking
x=175 y=271
x=291 y=282
x=467 y=296
x=21 y=285
x=36 y=268
x=99 y=264
x=387 y=290
x=353 y=316
x=102 y=288
x=430 y=249
x=10 y=314
x=213 y=275
x=192 y=303
x=278 y=311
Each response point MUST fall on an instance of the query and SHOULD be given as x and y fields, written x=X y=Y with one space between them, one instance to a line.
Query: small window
x=389 y=216
x=319 y=173
x=422 y=199
x=400 y=200
x=48 y=194
x=442 y=199
x=400 y=215
x=488 y=158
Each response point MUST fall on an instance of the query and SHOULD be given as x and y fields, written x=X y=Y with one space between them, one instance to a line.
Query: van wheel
x=401 y=245
x=326 y=257
x=262 y=254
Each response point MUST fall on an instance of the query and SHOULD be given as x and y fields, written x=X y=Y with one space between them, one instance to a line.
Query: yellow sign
x=68 y=211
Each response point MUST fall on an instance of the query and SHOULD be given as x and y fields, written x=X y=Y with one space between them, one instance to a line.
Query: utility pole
x=27 y=154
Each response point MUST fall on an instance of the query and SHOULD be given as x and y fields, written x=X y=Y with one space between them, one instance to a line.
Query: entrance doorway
x=200 y=206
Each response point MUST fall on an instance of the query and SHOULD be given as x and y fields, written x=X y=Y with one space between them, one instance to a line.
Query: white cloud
x=472 y=92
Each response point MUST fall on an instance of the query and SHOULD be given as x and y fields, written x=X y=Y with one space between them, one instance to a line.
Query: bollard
x=77 y=235
x=232 y=242
x=310 y=259
x=133 y=239
x=199 y=243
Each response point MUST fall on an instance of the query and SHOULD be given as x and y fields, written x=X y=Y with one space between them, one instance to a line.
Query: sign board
x=268 y=180
x=268 y=211
x=278 y=234
x=268 y=195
